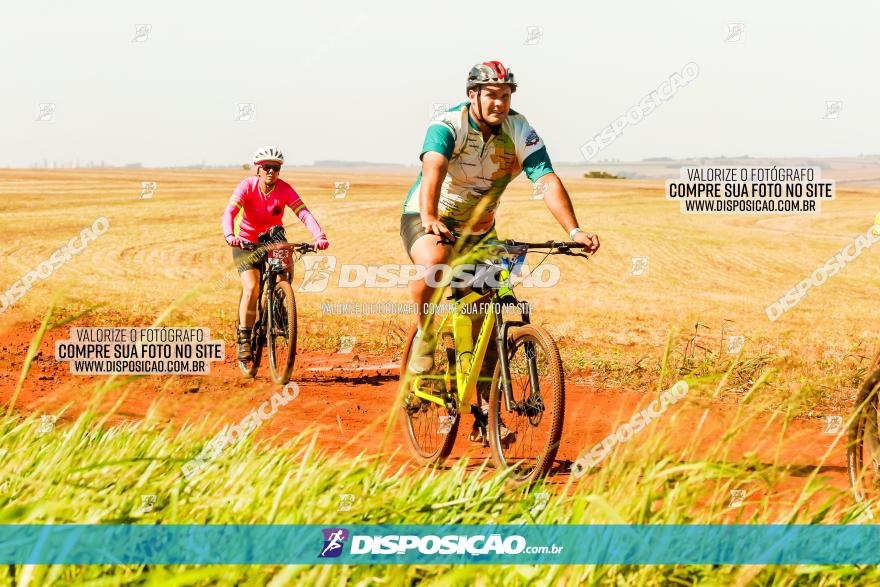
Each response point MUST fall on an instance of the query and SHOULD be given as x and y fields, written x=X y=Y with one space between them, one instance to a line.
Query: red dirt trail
x=341 y=394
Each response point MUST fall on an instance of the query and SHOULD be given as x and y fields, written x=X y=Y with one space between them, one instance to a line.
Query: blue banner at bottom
x=452 y=544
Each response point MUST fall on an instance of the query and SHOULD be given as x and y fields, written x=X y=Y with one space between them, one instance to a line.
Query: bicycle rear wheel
x=281 y=332
x=863 y=446
x=428 y=427
x=526 y=435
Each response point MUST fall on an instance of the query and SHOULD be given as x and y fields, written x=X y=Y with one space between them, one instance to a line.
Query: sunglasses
x=267 y=168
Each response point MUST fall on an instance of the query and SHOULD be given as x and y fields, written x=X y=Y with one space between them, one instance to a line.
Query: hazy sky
x=353 y=81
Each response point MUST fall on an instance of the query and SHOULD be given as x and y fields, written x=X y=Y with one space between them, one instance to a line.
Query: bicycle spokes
x=282 y=332
x=279 y=322
x=533 y=407
x=429 y=404
x=527 y=411
x=525 y=433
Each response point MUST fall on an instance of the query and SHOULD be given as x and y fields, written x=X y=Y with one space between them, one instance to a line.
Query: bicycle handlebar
x=545 y=245
x=555 y=247
x=298 y=247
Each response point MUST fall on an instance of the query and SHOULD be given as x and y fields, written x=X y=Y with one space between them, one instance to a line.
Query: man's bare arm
x=559 y=203
x=434 y=166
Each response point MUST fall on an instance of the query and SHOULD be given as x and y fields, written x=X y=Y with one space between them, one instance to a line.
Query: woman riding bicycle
x=256 y=205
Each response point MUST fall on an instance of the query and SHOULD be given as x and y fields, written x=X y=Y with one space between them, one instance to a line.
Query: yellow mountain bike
x=524 y=390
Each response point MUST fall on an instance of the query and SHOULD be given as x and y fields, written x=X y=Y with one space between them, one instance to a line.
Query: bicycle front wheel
x=525 y=435
x=429 y=427
x=281 y=332
x=863 y=446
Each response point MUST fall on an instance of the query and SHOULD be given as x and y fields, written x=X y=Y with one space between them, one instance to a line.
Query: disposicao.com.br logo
x=318 y=271
x=334 y=539
x=450 y=544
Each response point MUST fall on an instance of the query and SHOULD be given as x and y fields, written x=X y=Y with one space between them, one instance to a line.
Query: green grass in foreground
x=89 y=472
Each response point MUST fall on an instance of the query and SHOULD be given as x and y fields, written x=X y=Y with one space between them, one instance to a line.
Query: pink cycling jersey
x=250 y=212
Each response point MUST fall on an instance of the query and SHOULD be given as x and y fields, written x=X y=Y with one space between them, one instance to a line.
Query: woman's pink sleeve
x=228 y=219
x=310 y=221
x=236 y=201
x=306 y=217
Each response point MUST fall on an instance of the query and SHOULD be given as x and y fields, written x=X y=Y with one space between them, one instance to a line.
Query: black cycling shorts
x=411 y=230
x=245 y=259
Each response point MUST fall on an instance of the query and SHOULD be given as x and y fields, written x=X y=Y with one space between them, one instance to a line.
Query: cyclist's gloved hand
x=322 y=243
x=233 y=241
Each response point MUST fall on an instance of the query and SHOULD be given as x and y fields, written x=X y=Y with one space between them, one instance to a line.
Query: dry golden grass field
x=708 y=277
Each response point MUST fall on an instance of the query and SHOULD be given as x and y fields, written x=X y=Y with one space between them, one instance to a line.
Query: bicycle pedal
x=414 y=404
x=478 y=435
x=478 y=439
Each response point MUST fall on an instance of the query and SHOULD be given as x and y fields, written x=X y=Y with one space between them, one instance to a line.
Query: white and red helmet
x=268 y=153
x=490 y=72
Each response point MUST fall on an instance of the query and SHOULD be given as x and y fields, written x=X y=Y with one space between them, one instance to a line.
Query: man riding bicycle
x=256 y=205
x=468 y=158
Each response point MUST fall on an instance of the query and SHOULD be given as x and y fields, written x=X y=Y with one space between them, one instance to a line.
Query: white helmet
x=268 y=153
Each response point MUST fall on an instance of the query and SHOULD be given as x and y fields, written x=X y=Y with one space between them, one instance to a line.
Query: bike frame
x=268 y=279
x=470 y=354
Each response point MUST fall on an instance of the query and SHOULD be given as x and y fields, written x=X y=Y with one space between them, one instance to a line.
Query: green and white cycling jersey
x=479 y=170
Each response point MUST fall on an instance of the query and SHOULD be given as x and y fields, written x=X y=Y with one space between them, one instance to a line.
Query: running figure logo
x=832 y=109
x=533 y=35
x=148 y=189
x=340 y=189
x=245 y=112
x=142 y=33
x=735 y=32
x=334 y=538
x=46 y=112
x=317 y=272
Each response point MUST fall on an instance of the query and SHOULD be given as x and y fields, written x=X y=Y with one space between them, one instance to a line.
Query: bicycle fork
x=501 y=329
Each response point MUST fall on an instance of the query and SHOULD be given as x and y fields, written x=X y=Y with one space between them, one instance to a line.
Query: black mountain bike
x=275 y=322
